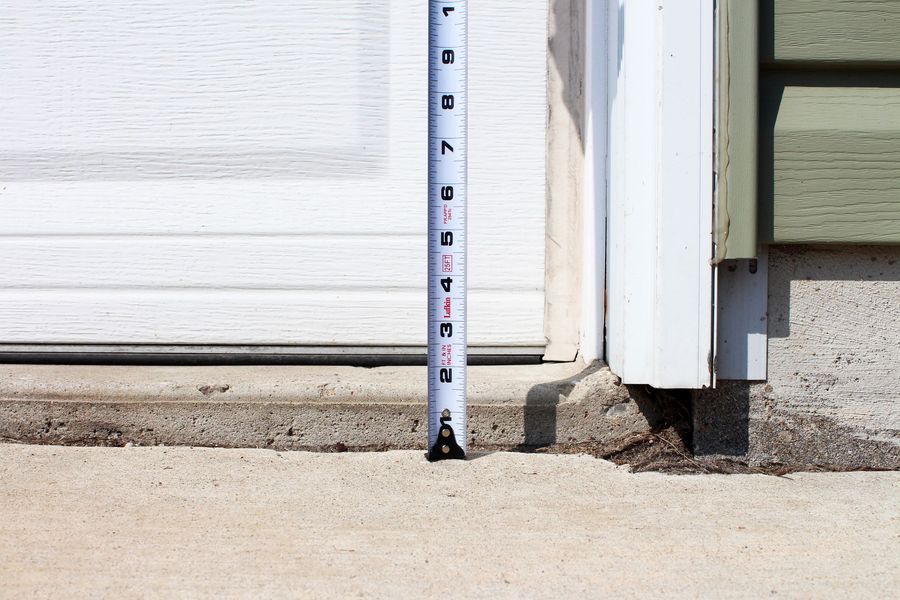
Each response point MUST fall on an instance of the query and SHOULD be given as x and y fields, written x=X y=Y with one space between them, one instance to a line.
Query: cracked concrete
x=308 y=407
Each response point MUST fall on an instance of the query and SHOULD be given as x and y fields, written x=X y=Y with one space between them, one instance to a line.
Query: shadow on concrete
x=663 y=410
x=791 y=263
x=542 y=405
x=746 y=423
x=721 y=420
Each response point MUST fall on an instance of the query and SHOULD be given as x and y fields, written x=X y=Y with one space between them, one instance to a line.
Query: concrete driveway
x=190 y=522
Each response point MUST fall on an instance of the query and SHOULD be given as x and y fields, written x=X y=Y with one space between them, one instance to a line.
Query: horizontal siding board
x=830 y=163
x=379 y=318
x=830 y=31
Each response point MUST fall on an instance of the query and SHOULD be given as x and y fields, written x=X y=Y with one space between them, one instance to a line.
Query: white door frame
x=593 y=212
x=659 y=174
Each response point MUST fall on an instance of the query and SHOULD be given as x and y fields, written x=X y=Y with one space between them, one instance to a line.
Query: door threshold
x=200 y=355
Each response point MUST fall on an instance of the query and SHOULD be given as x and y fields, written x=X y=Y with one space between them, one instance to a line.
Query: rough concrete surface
x=181 y=522
x=833 y=391
x=308 y=407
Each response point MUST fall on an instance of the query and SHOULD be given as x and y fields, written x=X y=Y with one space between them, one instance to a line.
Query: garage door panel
x=163 y=88
x=264 y=207
x=379 y=318
x=186 y=171
x=356 y=262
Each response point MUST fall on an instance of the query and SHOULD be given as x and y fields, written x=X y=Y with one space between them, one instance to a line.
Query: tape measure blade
x=447 y=200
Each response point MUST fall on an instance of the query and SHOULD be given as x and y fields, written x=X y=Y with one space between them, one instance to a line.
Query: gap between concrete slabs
x=290 y=407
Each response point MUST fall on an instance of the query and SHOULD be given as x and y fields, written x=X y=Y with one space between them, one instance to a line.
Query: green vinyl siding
x=830 y=162
x=829 y=122
x=830 y=31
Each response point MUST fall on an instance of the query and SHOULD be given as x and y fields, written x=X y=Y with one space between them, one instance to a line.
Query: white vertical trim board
x=660 y=281
x=742 y=320
x=594 y=204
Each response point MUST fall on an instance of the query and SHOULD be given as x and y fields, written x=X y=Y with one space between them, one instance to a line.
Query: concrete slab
x=285 y=407
x=833 y=391
x=180 y=522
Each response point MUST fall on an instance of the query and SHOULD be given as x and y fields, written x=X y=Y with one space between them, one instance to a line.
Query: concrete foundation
x=832 y=394
x=309 y=407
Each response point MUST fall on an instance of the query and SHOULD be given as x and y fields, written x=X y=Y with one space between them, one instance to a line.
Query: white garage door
x=240 y=172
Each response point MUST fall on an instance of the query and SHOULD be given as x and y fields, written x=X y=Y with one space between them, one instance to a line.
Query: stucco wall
x=833 y=365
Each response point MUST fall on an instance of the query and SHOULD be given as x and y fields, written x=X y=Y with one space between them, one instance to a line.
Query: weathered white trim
x=565 y=157
x=593 y=210
x=661 y=183
x=742 y=322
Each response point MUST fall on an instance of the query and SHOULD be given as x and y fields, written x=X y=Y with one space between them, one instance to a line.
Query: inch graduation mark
x=447 y=195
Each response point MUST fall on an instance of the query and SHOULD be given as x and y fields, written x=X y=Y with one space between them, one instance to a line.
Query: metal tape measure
x=447 y=192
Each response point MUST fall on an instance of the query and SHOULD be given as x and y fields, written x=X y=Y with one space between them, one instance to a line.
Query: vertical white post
x=615 y=230
x=594 y=203
x=661 y=282
x=447 y=194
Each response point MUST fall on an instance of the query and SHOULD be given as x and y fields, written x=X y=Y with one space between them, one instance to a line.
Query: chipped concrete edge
x=283 y=407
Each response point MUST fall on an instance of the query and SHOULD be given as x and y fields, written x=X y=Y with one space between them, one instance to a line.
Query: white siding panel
x=247 y=316
x=277 y=208
x=229 y=262
x=251 y=155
